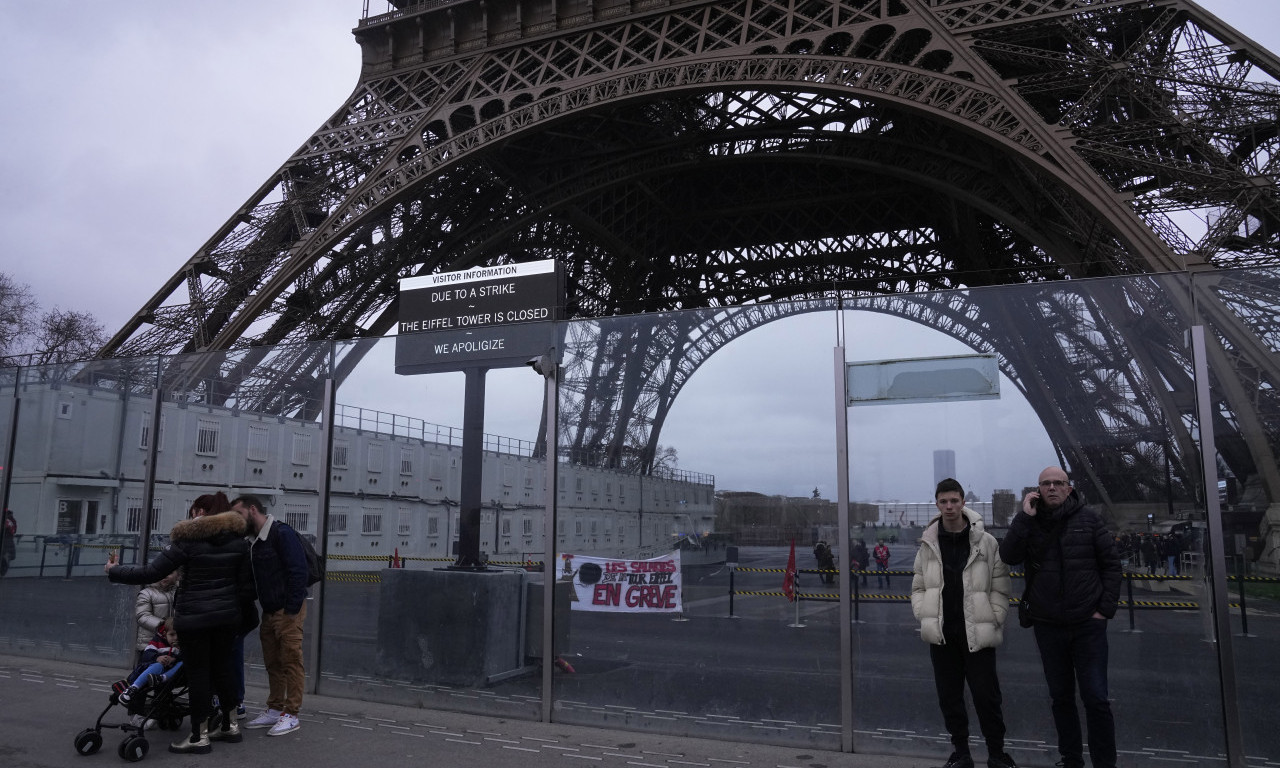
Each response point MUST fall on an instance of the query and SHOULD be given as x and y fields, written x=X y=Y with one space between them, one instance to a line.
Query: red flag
x=789 y=580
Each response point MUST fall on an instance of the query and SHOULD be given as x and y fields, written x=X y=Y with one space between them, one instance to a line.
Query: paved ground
x=44 y=704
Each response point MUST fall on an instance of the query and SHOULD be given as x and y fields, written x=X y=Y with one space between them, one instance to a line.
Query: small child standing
x=152 y=609
x=161 y=660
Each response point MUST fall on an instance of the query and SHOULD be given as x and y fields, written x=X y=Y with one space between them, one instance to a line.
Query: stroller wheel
x=88 y=741
x=133 y=748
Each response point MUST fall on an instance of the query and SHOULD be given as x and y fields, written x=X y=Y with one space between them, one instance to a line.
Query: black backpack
x=315 y=560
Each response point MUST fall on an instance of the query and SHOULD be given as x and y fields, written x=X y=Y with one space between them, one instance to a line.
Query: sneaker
x=264 y=720
x=128 y=693
x=1000 y=760
x=156 y=679
x=240 y=712
x=958 y=760
x=229 y=732
x=138 y=721
x=286 y=724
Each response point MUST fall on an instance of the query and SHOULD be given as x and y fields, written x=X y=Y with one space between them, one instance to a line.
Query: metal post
x=472 y=470
x=1128 y=582
x=842 y=525
x=551 y=396
x=857 y=603
x=322 y=529
x=149 y=483
x=1217 y=557
x=1244 y=613
x=731 y=570
x=12 y=443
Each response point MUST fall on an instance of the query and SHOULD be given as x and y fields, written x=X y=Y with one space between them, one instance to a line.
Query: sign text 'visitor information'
x=474 y=298
x=491 y=316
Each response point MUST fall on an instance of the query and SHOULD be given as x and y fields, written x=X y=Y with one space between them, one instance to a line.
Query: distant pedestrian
x=9 y=545
x=859 y=561
x=826 y=562
x=881 y=554
x=1149 y=554
x=1171 y=551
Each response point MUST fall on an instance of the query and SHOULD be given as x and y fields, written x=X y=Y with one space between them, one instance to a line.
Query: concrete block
x=449 y=627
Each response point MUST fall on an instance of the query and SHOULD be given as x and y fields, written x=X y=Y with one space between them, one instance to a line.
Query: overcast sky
x=131 y=131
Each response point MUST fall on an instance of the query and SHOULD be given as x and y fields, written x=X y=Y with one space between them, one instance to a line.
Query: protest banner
x=621 y=585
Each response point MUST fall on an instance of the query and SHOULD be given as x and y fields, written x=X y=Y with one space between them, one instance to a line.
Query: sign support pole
x=472 y=470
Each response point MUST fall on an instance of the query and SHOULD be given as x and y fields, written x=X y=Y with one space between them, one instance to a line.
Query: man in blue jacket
x=280 y=574
x=1074 y=591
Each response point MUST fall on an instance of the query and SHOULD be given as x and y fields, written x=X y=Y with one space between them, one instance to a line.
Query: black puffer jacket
x=217 y=578
x=1079 y=573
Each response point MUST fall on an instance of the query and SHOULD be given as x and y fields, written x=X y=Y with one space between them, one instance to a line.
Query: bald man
x=1073 y=594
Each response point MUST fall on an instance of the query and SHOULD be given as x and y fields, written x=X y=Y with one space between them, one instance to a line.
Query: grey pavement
x=45 y=703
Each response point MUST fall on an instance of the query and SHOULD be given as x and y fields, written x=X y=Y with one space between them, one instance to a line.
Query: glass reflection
x=705 y=435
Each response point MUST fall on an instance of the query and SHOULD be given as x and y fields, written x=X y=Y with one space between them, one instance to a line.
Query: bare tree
x=17 y=309
x=66 y=336
x=30 y=337
x=666 y=460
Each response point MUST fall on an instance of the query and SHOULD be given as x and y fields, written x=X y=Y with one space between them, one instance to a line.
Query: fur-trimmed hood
x=201 y=528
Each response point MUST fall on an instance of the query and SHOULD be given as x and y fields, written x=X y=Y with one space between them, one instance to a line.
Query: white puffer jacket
x=153 y=606
x=986 y=587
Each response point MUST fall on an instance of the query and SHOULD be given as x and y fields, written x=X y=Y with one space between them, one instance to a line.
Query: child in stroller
x=154 y=694
x=161 y=661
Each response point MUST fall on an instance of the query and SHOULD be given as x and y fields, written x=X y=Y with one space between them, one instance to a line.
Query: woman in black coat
x=217 y=580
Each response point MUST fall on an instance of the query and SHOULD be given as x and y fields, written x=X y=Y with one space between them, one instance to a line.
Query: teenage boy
x=960 y=596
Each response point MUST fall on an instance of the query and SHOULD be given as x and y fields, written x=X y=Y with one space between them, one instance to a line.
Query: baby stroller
x=166 y=703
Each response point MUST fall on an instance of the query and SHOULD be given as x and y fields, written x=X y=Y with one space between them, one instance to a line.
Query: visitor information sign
x=495 y=316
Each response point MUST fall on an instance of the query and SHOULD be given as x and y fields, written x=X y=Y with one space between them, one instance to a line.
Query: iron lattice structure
x=726 y=155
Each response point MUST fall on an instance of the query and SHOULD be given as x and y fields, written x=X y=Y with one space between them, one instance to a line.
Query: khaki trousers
x=281 y=636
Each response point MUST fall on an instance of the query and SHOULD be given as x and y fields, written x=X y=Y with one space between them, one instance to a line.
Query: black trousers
x=1076 y=654
x=207 y=657
x=953 y=666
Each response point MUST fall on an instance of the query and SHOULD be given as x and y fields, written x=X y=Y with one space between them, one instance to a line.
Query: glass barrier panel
x=400 y=625
x=73 y=475
x=1094 y=378
x=688 y=482
x=683 y=478
x=245 y=424
x=1237 y=310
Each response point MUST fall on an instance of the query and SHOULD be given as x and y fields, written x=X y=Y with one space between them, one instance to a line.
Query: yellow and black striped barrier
x=363 y=577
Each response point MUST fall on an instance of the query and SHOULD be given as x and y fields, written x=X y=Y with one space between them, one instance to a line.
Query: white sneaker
x=286 y=724
x=265 y=720
x=137 y=721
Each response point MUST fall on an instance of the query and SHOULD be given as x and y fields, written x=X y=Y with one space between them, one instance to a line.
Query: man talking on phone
x=1074 y=575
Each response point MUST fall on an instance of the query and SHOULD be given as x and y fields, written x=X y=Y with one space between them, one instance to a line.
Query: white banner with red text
x=620 y=585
